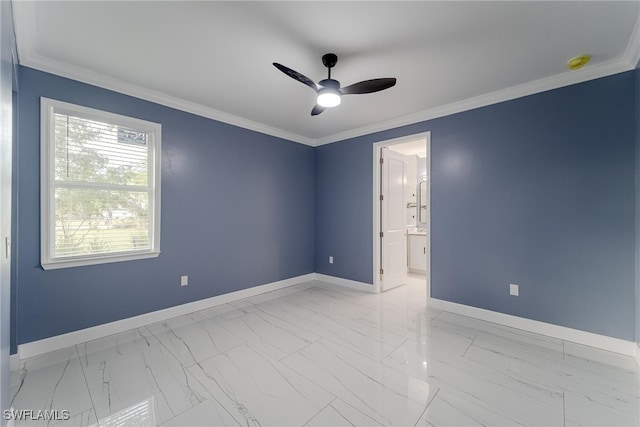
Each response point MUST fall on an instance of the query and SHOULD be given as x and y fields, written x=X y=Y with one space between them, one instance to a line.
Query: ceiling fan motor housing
x=330 y=83
x=329 y=60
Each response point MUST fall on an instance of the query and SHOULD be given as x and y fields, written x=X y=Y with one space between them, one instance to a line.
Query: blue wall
x=343 y=199
x=537 y=191
x=231 y=198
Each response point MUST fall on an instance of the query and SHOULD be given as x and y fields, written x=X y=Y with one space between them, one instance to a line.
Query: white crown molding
x=24 y=12
x=560 y=80
x=632 y=53
x=97 y=79
x=23 y=27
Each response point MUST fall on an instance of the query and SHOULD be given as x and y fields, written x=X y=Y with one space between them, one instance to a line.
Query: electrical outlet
x=330 y=260
x=514 y=289
x=184 y=280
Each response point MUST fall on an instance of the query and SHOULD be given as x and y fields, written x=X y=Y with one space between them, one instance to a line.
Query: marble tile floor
x=321 y=355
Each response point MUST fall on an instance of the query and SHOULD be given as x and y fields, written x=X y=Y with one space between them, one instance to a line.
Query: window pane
x=101 y=186
x=90 y=221
x=90 y=151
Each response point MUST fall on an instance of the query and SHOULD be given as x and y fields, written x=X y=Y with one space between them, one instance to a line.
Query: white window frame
x=48 y=108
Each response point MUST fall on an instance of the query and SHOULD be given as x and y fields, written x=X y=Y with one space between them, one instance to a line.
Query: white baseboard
x=14 y=362
x=361 y=286
x=36 y=348
x=604 y=342
x=58 y=342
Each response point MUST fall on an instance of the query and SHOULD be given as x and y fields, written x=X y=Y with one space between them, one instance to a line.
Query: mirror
x=421 y=206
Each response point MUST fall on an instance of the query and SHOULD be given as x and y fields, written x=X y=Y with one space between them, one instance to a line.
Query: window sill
x=56 y=264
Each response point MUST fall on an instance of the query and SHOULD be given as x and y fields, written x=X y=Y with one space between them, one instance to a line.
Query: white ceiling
x=215 y=58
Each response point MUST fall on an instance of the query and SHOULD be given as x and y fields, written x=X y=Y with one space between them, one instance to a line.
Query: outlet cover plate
x=514 y=289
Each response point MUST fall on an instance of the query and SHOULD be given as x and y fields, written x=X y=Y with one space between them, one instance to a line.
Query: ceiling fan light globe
x=328 y=98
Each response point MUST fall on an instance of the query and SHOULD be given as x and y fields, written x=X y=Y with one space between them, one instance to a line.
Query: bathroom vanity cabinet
x=417 y=252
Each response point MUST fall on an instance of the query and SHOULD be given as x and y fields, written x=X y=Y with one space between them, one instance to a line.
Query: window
x=100 y=186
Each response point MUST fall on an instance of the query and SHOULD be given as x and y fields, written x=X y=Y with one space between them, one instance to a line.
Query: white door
x=393 y=246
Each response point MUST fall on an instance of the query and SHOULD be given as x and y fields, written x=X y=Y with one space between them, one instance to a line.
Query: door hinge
x=381 y=234
x=381 y=271
x=381 y=197
x=381 y=160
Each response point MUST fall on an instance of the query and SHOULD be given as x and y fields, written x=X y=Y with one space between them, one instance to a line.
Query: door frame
x=376 y=205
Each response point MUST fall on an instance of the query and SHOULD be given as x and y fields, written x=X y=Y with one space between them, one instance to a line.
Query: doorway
x=401 y=250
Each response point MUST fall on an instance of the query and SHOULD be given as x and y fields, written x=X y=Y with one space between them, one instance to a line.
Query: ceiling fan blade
x=296 y=76
x=317 y=110
x=368 y=86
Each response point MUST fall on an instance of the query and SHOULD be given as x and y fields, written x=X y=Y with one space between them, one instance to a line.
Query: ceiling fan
x=329 y=90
